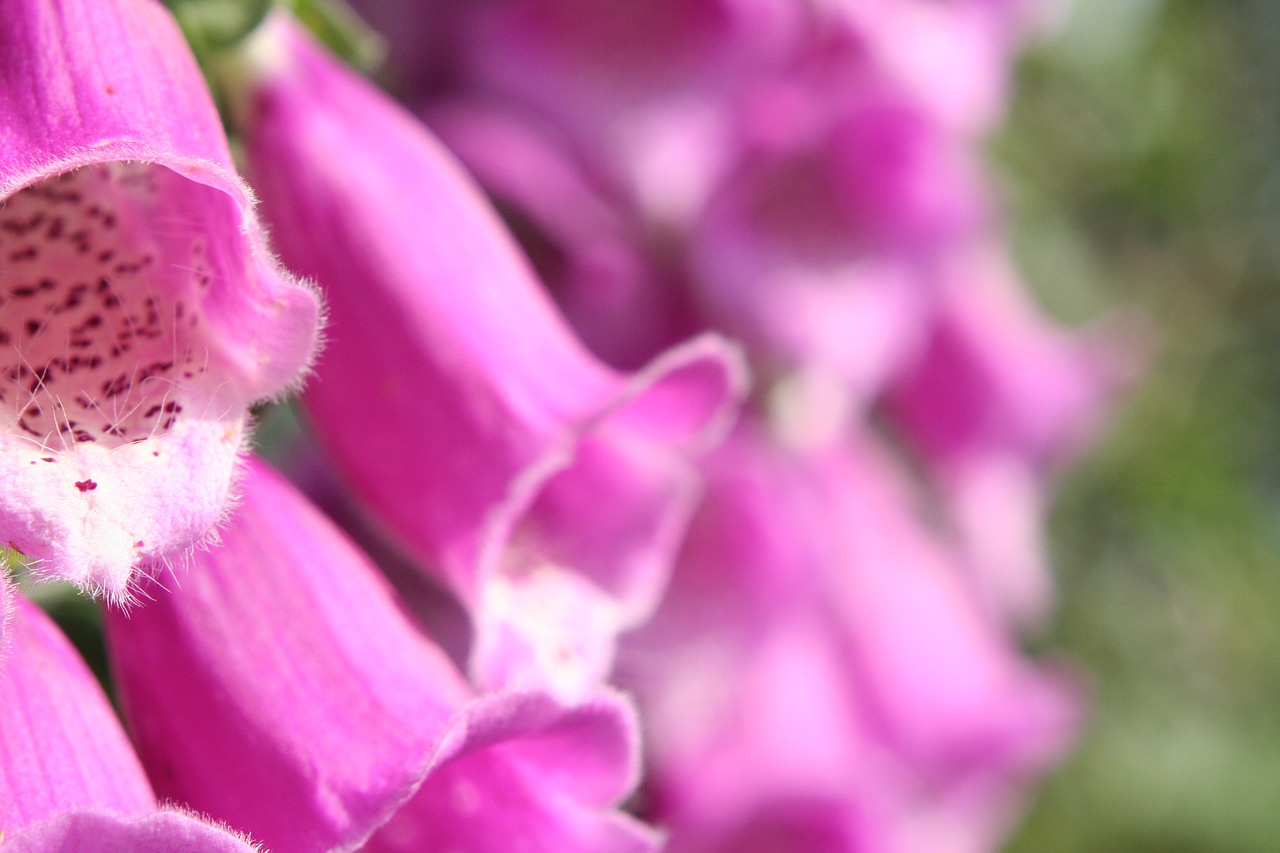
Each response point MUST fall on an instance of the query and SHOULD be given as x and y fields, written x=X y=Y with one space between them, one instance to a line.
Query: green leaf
x=213 y=25
x=338 y=26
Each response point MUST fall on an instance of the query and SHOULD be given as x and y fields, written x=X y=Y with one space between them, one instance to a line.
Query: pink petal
x=819 y=250
x=947 y=683
x=277 y=686
x=645 y=91
x=998 y=399
x=954 y=57
x=61 y=746
x=585 y=245
x=999 y=374
x=140 y=313
x=280 y=688
x=826 y=672
x=453 y=397
x=525 y=770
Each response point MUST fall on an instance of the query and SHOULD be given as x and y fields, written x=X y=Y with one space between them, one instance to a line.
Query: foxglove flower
x=819 y=250
x=548 y=490
x=68 y=777
x=646 y=93
x=281 y=688
x=586 y=245
x=808 y=225
x=140 y=314
x=998 y=399
x=826 y=673
x=955 y=56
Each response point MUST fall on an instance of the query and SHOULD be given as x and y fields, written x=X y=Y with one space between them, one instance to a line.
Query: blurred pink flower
x=140 y=314
x=819 y=250
x=821 y=670
x=999 y=398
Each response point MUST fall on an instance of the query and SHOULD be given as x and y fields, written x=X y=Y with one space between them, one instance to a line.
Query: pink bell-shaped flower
x=454 y=398
x=827 y=679
x=140 y=313
x=68 y=778
x=999 y=397
x=280 y=687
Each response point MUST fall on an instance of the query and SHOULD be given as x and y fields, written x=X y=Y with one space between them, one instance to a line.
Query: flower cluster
x=737 y=406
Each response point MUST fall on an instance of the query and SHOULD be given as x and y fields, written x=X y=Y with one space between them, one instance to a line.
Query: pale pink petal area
x=821 y=672
x=279 y=687
x=999 y=398
x=955 y=56
x=61 y=746
x=140 y=313
x=452 y=396
x=101 y=832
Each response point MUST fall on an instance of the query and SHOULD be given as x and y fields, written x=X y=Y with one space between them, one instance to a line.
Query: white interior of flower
x=98 y=328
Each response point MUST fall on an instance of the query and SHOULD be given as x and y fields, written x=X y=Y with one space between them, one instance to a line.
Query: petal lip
x=536 y=768
x=88 y=831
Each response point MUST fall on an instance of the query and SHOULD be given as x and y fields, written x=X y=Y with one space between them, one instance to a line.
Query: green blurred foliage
x=1142 y=163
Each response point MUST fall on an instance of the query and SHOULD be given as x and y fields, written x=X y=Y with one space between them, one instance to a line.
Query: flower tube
x=281 y=689
x=453 y=397
x=68 y=777
x=140 y=314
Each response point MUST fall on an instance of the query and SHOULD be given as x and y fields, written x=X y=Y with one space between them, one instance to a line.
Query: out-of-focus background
x=1141 y=162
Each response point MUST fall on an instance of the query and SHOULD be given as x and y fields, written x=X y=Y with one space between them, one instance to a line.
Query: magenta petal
x=818 y=251
x=278 y=687
x=524 y=766
x=644 y=90
x=998 y=398
x=945 y=681
x=453 y=397
x=1000 y=375
x=99 y=832
x=141 y=312
x=583 y=243
x=61 y=746
x=819 y=647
